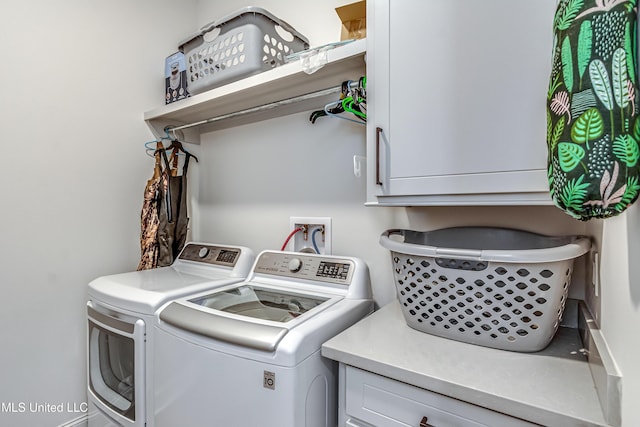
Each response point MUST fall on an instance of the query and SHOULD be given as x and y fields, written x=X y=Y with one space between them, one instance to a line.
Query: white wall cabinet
x=456 y=96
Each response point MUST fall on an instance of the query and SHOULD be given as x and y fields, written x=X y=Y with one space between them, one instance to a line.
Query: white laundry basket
x=247 y=42
x=495 y=287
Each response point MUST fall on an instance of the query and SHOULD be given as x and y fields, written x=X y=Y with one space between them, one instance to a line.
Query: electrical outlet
x=315 y=233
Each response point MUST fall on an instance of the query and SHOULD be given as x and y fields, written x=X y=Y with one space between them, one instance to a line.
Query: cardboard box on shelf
x=354 y=20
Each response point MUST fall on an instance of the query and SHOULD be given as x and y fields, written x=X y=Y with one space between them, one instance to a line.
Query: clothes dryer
x=248 y=354
x=121 y=310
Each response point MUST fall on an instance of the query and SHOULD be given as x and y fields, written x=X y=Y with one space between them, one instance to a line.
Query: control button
x=295 y=265
x=203 y=252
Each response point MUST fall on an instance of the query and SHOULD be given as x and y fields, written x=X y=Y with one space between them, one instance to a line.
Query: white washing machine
x=121 y=311
x=248 y=354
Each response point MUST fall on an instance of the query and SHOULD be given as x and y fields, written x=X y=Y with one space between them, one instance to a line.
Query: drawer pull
x=424 y=423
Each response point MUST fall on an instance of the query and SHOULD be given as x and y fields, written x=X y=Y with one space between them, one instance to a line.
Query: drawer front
x=384 y=402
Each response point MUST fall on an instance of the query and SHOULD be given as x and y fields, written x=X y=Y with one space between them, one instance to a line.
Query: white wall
x=77 y=77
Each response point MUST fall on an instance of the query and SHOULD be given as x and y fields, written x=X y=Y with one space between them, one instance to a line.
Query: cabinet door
x=457 y=96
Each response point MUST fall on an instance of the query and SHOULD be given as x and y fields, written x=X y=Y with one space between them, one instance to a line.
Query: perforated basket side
x=250 y=42
x=508 y=306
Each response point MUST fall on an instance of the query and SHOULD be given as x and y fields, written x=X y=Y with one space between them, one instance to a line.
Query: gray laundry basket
x=495 y=287
x=247 y=42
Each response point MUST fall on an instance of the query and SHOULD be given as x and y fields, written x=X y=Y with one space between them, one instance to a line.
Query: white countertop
x=553 y=387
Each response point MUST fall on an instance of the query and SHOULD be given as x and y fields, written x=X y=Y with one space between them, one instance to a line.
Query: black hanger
x=177 y=147
x=176 y=144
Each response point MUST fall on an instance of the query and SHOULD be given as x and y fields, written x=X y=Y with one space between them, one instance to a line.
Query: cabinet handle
x=424 y=423
x=378 y=134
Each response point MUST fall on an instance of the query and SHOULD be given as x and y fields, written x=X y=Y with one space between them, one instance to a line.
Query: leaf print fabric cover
x=593 y=129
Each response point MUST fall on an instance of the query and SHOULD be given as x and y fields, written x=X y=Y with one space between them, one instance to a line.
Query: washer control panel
x=305 y=266
x=210 y=254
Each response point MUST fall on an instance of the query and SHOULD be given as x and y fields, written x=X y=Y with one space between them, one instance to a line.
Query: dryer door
x=116 y=366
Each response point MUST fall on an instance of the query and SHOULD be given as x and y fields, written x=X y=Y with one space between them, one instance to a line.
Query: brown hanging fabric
x=172 y=209
x=149 y=220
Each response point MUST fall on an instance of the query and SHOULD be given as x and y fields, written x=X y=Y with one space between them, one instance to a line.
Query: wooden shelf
x=288 y=81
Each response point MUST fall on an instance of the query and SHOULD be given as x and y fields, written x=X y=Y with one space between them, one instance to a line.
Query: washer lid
x=247 y=334
x=245 y=314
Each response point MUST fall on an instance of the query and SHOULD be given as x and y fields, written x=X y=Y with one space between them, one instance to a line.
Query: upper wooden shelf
x=286 y=82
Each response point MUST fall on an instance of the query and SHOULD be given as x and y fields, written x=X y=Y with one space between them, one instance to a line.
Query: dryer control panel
x=210 y=254
x=318 y=268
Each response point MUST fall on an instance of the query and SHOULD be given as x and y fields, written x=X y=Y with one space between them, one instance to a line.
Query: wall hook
x=357 y=165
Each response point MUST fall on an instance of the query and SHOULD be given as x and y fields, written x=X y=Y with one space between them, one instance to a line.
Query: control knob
x=203 y=252
x=295 y=265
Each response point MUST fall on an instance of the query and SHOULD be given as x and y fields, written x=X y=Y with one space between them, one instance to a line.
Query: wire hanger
x=175 y=146
x=151 y=147
x=333 y=109
x=353 y=99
